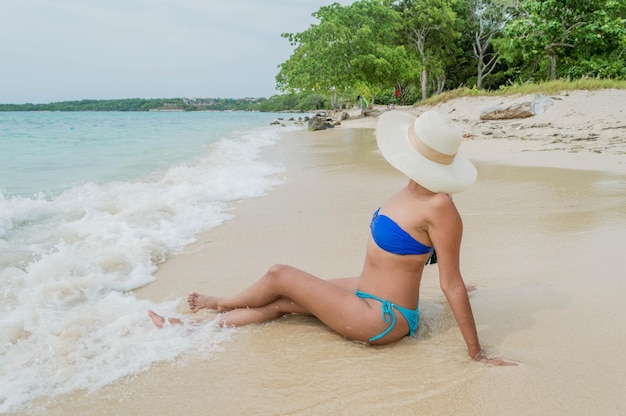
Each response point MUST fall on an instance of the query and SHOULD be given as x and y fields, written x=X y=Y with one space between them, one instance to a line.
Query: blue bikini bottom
x=411 y=315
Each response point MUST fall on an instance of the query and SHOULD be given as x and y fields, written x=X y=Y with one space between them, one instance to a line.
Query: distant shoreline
x=144 y=104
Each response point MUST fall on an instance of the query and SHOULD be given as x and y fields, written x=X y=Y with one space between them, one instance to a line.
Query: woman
x=381 y=305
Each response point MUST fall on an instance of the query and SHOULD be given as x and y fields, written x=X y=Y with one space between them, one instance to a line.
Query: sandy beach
x=544 y=242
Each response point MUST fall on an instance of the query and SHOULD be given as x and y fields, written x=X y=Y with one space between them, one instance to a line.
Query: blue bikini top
x=392 y=238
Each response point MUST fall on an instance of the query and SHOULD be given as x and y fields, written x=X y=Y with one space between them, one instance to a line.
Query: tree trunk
x=334 y=100
x=424 y=78
x=441 y=83
x=552 y=58
x=478 y=53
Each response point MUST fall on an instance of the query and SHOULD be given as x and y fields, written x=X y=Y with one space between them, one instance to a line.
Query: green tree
x=351 y=45
x=600 y=48
x=487 y=21
x=431 y=30
x=579 y=32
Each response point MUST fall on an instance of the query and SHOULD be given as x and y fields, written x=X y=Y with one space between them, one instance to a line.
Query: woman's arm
x=446 y=231
x=462 y=310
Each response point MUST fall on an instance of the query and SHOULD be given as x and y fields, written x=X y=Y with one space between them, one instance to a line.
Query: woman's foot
x=159 y=321
x=197 y=301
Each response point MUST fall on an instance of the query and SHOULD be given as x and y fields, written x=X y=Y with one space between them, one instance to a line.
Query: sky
x=61 y=50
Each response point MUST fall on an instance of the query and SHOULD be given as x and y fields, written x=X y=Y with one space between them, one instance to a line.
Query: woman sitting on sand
x=381 y=305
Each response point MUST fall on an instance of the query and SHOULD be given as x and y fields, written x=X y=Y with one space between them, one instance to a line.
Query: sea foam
x=68 y=264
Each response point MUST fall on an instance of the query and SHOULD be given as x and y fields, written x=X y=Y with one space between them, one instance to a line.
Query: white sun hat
x=426 y=150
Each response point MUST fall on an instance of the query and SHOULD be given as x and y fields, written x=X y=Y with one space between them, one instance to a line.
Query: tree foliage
x=431 y=31
x=351 y=45
x=487 y=21
x=376 y=47
x=588 y=38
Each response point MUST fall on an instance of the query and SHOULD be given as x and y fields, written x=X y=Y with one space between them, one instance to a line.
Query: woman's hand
x=493 y=362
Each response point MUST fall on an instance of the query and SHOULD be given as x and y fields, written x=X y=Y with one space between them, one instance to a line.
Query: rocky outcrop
x=281 y=121
x=320 y=121
x=323 y=120
x=522 y=108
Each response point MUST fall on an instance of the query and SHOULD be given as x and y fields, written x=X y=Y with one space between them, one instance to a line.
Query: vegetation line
x=546 y=88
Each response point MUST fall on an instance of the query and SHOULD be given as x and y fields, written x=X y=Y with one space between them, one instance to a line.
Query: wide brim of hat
x=393 y=142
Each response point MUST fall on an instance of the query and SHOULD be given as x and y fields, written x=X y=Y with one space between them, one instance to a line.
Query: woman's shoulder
x=442 y=206
x=441 y=201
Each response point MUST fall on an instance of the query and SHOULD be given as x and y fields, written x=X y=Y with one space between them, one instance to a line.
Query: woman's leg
x=280 y=307
x=285 y=289
x=332 y=302
x=245 y=316
x=197 y=301
x=239 y=316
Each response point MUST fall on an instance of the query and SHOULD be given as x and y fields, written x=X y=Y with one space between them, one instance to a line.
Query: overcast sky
x=59 y=50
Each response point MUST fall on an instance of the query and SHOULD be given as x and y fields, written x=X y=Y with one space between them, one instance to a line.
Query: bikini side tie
x=388 y=316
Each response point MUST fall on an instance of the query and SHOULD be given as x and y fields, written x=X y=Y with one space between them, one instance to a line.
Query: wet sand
x=544 y=245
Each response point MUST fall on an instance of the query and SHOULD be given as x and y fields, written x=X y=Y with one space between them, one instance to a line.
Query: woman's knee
x=276 y=271
x=280 y=275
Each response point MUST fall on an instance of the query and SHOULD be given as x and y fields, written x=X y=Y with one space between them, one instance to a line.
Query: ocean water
x=90 y=204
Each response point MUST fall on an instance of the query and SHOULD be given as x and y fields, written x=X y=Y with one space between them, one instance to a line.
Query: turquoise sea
x=90 y=203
